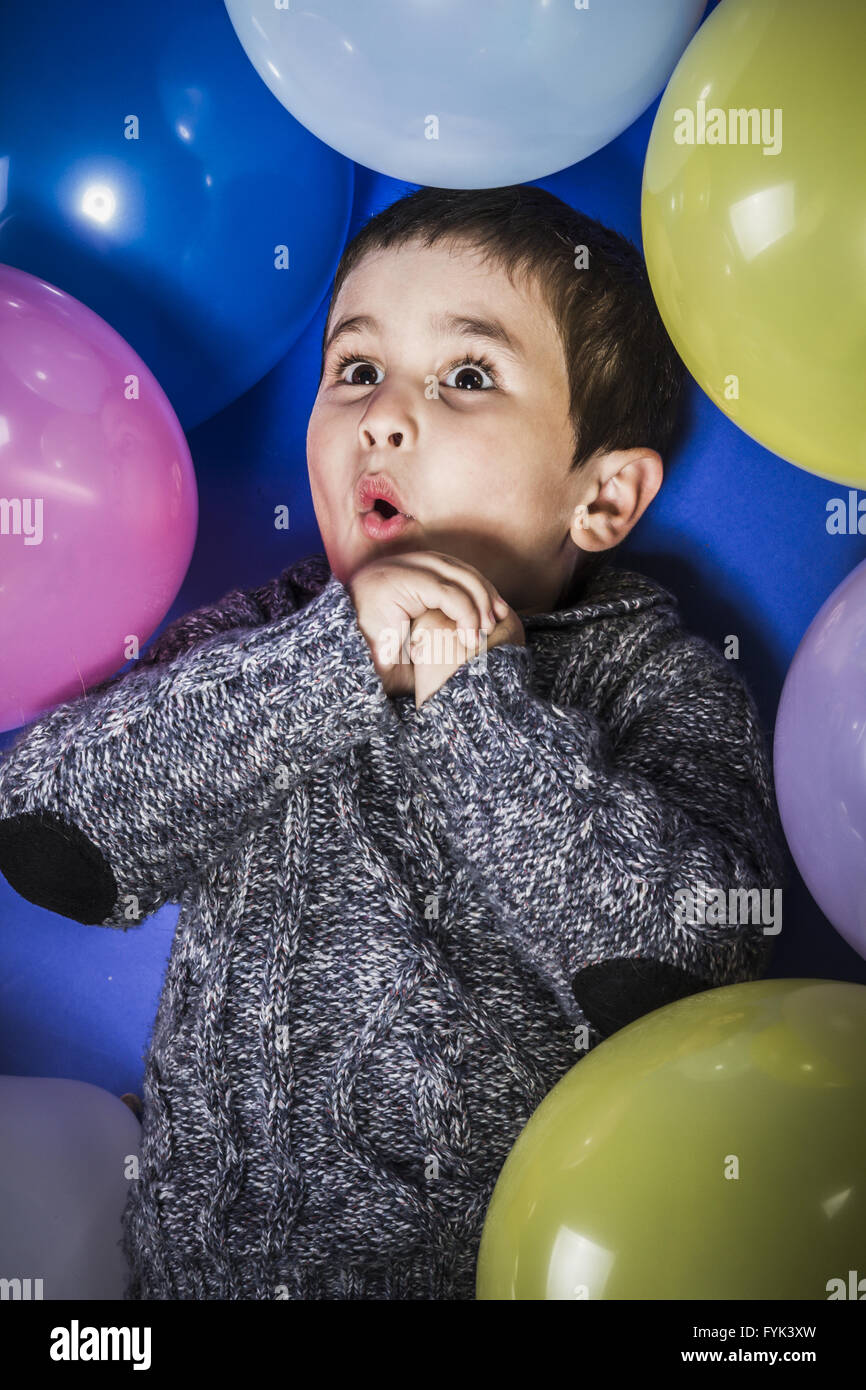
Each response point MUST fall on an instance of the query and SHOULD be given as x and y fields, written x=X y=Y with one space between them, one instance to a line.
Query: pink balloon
x=98 y=500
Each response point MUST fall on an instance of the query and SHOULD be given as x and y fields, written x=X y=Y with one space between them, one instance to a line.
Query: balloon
x=819 y=757
x=99 y=493
x=65 y=1168
x=449 y=95
x=713 y=1149
x=753 y=235
x=147 y=172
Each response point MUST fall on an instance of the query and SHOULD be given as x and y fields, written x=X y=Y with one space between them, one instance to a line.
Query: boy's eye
x=359 y=370
x=470 y=369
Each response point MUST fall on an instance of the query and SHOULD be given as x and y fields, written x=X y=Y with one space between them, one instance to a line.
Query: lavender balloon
x=820 y=758
x=98 y=502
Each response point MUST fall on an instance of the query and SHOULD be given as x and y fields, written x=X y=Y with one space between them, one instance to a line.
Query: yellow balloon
x=754 y=224
x=714 y=1148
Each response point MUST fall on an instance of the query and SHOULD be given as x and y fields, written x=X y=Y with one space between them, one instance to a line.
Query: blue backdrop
x=736 y=533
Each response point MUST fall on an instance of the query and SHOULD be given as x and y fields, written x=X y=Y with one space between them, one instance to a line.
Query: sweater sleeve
x=584 y=844
x=239 y=608
x=110 y=803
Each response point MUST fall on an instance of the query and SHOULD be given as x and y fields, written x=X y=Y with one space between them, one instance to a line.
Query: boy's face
x=481 y=462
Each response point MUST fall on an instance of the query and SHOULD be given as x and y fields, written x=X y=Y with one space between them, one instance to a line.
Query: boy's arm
x=581 y=845
x=111 y=802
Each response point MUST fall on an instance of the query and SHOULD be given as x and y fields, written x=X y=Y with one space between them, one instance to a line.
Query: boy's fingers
x=485 y=594
x=452 y=572
x=457 y=645
x=427 y=648
x=451 y=599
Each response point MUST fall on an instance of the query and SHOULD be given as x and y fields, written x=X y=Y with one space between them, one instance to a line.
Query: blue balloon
x=456 y=94
x=146 y=170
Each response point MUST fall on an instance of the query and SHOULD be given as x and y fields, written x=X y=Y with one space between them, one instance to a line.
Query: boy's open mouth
x=384 y=521
x=378 y=499
x=377 y=492
x=385 y=509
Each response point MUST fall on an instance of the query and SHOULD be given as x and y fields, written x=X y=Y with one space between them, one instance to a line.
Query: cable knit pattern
x=399 y=928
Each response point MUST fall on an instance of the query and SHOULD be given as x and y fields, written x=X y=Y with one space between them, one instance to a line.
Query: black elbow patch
x=612 y=993
x=52 y=863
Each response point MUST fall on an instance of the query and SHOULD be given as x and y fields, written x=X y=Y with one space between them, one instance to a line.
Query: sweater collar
x=609 y=593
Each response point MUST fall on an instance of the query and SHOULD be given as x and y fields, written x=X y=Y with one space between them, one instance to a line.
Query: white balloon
x=65 y=1148
x=465 y=93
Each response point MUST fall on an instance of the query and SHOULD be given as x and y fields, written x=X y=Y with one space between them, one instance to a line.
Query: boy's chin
x=456 y=543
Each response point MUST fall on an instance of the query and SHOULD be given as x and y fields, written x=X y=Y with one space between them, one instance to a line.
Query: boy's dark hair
x=625 y=376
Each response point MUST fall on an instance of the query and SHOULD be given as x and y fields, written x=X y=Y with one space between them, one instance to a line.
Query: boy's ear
x=628 y=480
x=612 y=993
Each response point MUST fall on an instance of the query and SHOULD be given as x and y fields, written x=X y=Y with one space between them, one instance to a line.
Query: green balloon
x=754 y=224
x=713 y=1149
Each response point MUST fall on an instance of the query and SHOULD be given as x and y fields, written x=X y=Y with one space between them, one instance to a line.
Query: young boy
x=419 y=878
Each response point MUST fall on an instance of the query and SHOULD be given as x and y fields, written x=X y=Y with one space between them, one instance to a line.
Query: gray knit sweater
x=399 y=928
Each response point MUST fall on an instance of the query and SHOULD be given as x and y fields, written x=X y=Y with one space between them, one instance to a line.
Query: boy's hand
x=392 y=591
x=439 y=646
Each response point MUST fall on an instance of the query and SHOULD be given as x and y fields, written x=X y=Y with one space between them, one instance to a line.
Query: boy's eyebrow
x=466 y=325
